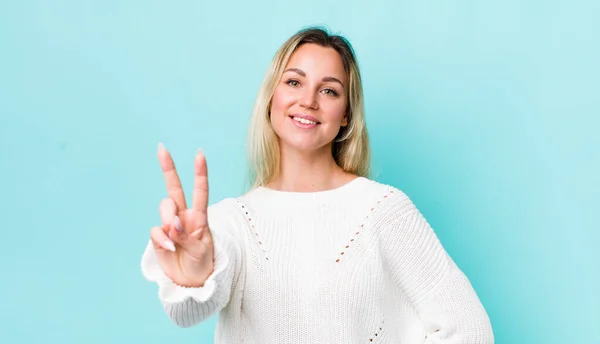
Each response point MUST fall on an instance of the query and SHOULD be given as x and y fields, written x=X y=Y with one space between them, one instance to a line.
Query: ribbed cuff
x=169 y=291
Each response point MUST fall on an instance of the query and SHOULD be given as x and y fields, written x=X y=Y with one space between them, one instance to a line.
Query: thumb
x=203 y=234
x=191 y=231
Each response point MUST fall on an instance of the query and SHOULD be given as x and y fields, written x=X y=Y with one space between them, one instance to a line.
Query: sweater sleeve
x=188 y=306
x=420 y=268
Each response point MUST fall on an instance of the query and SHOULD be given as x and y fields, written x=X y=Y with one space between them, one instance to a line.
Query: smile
x=304 y=120
x=304 y=123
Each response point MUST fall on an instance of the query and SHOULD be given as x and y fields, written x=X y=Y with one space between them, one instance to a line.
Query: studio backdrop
x=484 y=112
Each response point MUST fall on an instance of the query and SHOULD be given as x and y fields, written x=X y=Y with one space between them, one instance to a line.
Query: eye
x=330 y=92
x=293 y=83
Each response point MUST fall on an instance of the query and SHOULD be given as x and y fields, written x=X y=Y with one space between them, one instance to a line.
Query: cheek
x=281 y=100
x=336 y=112
x=279 y=106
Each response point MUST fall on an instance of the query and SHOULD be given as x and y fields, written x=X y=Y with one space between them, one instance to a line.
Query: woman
x=315 y=252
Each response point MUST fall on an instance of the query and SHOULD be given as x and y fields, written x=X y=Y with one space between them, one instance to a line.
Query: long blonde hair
x=350 y=148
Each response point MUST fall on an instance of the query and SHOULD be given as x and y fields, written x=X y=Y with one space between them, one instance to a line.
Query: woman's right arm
x=188 y=306
x=193 y=256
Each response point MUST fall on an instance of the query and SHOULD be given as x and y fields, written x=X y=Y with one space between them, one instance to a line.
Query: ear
x=344 y=121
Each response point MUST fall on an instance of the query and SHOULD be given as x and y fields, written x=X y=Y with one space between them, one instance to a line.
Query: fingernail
x=200 y=151
x=177 y=224
x=168 y=244
x=161 y=146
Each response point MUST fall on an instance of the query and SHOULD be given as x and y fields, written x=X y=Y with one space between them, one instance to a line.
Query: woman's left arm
x=421 y=268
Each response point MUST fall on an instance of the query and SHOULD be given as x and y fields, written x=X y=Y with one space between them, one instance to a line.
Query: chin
x=302 y=144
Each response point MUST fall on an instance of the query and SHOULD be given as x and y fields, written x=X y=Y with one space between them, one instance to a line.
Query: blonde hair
x=351 y=146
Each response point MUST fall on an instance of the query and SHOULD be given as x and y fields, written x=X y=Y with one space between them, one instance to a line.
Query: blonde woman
x=315 y=252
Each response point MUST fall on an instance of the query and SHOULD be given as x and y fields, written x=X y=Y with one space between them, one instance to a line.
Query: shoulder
x=392 y=202
x=224 y=206
x=225 y=213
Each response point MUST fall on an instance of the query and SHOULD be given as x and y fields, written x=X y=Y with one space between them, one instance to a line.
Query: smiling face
x=310 y=102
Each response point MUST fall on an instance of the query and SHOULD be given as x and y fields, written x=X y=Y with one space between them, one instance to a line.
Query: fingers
x=192 y=235
x=178 y=226
x=181 y=229
x=168 y=215
x=200 y=198
x=161 y=240
x=194 y=242
x=172 y=181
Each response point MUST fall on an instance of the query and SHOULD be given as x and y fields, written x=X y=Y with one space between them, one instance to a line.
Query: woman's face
x=310 y=102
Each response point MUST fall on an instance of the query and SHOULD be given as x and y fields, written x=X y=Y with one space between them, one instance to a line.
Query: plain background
x=484 y=112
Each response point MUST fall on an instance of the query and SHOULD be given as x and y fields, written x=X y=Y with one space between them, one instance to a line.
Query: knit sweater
x=356 y=264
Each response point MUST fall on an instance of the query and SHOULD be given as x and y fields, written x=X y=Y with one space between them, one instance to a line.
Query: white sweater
x=357 y=264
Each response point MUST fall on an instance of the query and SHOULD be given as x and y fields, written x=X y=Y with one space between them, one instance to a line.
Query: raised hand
x=184 y=244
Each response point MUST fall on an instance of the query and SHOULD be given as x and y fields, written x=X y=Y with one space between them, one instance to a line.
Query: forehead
x=317 y=61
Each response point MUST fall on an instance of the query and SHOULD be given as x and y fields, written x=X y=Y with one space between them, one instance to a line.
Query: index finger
x=200 y=199
x=174 y=189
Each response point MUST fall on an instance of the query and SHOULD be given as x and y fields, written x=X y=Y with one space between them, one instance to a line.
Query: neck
x=309 y=171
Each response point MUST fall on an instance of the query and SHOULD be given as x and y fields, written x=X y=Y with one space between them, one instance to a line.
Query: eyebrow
x=301 y=73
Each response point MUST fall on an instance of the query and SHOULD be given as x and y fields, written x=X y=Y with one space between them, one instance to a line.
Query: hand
x=184 y=244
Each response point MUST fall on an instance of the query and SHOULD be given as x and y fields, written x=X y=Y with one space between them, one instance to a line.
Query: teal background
x=485 y=113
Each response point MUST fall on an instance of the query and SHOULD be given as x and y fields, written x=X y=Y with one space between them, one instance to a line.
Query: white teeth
x=304 y=120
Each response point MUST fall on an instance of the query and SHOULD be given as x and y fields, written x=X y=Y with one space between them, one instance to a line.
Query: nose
x=309 y=100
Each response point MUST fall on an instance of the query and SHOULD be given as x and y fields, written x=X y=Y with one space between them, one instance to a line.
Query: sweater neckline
x=298 y=197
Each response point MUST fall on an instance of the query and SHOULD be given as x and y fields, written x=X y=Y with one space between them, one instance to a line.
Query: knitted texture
x=357 y=264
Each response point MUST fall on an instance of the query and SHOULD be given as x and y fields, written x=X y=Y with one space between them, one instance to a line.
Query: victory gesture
x=184 y=244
